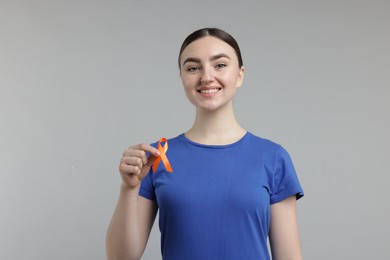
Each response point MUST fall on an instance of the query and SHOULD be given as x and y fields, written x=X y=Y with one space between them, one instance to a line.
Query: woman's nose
x=207 y=76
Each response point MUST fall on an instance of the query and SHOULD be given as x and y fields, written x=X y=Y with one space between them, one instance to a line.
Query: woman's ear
x=240 y=78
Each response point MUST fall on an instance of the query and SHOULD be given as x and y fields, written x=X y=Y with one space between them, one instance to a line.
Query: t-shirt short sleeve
x=147 y=188
x=285 y=181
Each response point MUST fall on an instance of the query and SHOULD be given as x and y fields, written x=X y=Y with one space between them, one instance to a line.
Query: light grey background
x=82 y=80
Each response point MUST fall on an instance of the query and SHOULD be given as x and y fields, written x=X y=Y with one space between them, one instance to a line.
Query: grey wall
x=82 y=80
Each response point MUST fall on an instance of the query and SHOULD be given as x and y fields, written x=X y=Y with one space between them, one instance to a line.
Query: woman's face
x=210 y=73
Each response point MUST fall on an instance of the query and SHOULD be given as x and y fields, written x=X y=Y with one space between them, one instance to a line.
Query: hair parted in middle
x=214 y=32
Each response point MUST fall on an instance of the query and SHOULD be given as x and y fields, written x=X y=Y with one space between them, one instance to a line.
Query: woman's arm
x=284 y=234
x=134 y=215
x=130 y=226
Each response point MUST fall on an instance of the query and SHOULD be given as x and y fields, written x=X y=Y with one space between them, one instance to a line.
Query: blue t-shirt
x=216 y=202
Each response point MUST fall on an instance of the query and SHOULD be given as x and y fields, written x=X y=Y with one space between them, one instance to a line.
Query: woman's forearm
x=123 y=239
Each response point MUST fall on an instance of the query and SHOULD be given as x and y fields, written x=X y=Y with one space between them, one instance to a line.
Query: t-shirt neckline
x=215 y=146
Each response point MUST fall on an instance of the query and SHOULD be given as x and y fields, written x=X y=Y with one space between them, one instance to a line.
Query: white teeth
x=208 y=91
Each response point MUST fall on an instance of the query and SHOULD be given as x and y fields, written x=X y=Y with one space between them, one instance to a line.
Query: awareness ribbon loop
x=163 y=157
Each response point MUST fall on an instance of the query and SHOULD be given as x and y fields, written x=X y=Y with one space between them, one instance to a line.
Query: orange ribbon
x=163 y=157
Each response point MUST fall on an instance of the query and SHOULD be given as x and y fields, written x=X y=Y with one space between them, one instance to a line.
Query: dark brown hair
x=215 y=32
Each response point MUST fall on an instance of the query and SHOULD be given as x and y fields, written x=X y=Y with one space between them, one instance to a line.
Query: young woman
x=229 y=190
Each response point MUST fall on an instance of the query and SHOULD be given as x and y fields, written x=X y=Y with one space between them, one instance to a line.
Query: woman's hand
x=134 y=215
x=135 y=164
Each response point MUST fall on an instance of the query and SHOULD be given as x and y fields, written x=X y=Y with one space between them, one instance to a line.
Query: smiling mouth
x=209 y=91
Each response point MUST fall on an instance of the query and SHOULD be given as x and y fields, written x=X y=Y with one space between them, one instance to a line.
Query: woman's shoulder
x=262 y=141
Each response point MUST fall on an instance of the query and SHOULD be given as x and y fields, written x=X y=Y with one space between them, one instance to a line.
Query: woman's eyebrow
x=212 y=58
x=191 y=59
x=218 y=56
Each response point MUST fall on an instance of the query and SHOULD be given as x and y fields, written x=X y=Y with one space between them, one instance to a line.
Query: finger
x=126 y=169
x=147 y=166
x=136 y=161
x=147 y=148
x=151 y=160
x=140 y=151
x=132 y=156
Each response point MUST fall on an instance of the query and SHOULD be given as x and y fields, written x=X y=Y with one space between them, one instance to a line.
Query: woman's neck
x=215 y=128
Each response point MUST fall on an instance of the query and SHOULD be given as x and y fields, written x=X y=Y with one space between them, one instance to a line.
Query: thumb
x=151 y=160
x=147 y=166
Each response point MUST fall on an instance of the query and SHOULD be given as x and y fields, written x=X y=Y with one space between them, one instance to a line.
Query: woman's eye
x=192 y=69
x=221 y=65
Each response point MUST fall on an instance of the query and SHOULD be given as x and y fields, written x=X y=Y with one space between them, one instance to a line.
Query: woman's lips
x=209 y=90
